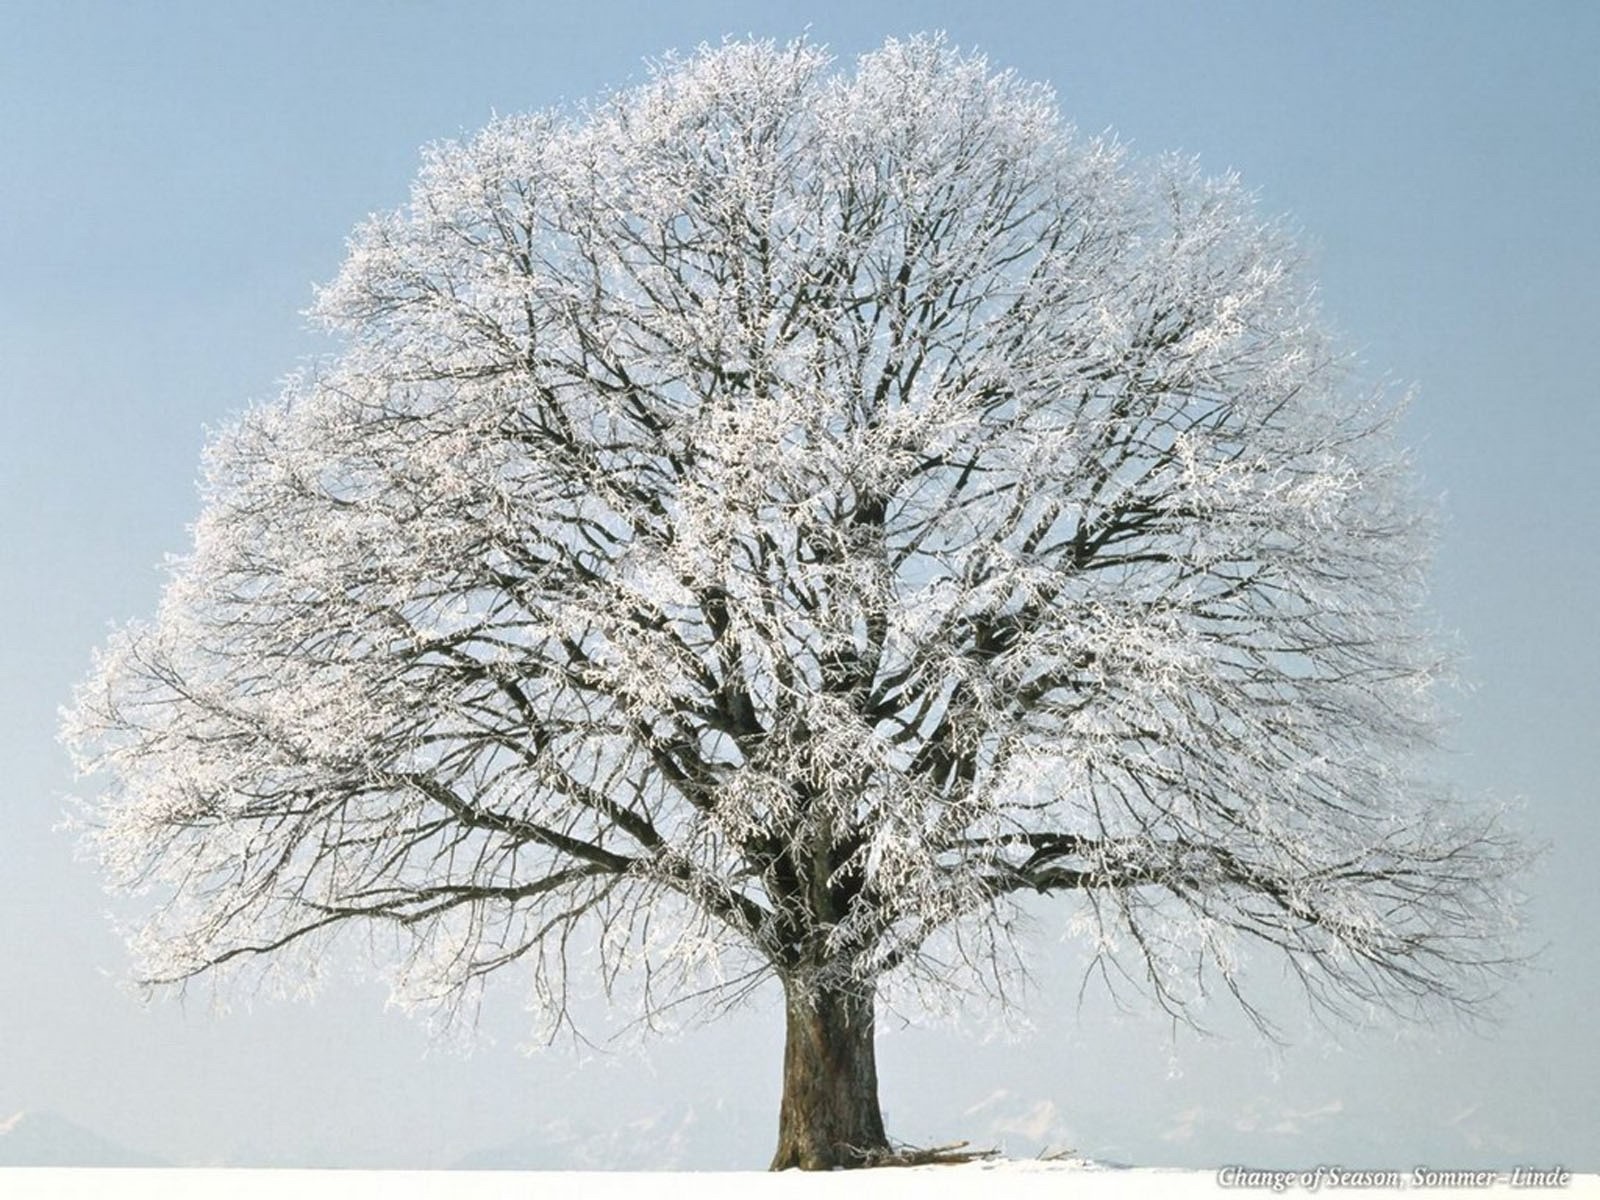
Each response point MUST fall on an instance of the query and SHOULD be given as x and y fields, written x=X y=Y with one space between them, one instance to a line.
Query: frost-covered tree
x=772 y=524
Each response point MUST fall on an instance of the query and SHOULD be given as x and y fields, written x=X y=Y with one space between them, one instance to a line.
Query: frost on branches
x=771 y=523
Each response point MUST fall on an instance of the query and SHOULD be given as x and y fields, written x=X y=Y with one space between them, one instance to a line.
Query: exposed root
x=920 y=1156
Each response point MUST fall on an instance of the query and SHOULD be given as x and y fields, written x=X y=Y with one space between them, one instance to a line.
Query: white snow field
x=1005 y=1180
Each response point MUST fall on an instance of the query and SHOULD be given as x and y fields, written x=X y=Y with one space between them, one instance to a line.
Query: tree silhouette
x=768 y=526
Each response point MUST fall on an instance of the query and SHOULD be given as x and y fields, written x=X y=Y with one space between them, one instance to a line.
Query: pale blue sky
x=175 y=176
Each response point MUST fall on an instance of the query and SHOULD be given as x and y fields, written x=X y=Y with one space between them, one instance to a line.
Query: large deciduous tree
x=770 y=524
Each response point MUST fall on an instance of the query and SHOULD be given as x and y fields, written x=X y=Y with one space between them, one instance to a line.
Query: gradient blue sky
x=175 y=176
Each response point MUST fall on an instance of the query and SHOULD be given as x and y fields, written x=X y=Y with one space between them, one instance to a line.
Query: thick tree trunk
x=829 y=1116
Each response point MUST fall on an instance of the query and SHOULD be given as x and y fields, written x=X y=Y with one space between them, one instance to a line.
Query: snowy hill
x=1010 y=1180
x=43 y=1139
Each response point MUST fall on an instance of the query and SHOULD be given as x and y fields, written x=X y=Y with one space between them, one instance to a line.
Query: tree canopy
x=773 y=522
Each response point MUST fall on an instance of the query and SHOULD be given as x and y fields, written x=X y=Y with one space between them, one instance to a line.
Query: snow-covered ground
x=975 y=1181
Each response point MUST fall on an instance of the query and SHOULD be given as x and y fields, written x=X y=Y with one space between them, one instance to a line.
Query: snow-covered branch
x=785 y=516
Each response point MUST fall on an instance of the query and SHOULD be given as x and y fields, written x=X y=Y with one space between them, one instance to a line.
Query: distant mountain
x=43 y=1139
x=717 y=1140
x=719 y=1136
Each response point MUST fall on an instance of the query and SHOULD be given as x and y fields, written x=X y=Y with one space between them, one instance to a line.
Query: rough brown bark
x=829 y=1117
